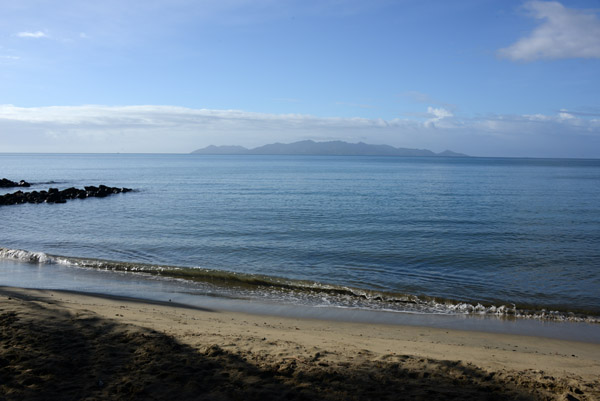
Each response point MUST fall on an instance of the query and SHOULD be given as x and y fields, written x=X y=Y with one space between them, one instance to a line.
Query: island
x=330 y=148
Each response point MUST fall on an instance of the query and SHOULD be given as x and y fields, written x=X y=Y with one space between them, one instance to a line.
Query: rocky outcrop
x=6 y=183
x=53 y=195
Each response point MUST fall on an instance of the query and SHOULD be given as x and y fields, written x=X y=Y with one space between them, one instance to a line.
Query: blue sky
x=487 y=78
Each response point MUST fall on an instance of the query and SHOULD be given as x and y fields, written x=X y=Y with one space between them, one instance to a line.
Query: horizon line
x=297 y=155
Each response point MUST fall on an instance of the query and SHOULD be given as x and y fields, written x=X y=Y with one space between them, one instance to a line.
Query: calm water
x=463 y=231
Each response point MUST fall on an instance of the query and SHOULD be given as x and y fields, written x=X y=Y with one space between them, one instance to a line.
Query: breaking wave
x=304 y=292
x=24 y=256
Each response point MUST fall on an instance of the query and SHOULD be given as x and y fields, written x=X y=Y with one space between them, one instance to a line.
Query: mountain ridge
x=328 y=148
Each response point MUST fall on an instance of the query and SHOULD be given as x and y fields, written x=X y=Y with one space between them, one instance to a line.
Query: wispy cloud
x=287 y=100
x=359 y=105
x=582 y=113
x=421 y=97
x=33 y=35
x=179 y=129
x=564 y=33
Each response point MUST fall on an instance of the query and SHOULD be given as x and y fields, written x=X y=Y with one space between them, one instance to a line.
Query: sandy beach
x=71 y=346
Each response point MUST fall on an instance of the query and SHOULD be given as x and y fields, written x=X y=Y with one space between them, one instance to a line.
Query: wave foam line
x=315 y=293
x=25 y=256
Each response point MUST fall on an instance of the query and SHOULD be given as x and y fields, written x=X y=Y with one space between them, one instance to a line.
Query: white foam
x=353 y=298
x=25 y=256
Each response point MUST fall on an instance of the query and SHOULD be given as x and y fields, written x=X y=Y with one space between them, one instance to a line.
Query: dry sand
x=69 y=346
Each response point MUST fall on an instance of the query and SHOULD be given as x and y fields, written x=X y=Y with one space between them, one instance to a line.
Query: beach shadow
x=48 y=354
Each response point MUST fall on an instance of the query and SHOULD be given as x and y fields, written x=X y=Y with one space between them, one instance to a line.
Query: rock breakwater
x=53 y=195
x=6 y=183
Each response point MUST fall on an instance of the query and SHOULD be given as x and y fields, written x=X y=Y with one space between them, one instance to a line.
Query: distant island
x=331 y=148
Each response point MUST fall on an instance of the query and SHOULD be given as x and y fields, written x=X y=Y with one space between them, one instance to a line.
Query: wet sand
x=72 y=346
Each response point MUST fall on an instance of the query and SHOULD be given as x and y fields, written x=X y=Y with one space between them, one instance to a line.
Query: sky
x=481 y=77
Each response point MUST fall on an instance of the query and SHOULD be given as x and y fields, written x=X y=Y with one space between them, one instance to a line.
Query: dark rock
x=53 y=195
x=6 y=183
x=103 y=191
x=91 y=190
x=18 y=197
x=34 y=197
x=70 y=193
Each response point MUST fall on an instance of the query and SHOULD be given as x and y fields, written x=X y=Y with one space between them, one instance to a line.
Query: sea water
x=509 y=237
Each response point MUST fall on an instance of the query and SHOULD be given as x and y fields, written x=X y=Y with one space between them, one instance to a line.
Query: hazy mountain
x=323 y=148
x=449 y=153
x=222 y=150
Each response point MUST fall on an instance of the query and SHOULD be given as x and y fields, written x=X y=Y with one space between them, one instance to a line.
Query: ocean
x=429 y=235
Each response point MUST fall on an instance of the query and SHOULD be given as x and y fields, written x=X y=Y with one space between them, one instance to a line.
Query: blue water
x=464 y=230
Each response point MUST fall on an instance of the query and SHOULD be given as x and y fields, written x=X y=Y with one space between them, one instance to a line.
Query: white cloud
x=537 y=117
x=436 y=115
x=563 y=115
x=181 y=130
x=34 y=35
x=564 y=33
x=439 y=113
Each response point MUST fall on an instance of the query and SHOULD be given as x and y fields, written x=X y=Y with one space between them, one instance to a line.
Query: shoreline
x=304 y=293
x=151 y=288
x=268 y=356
